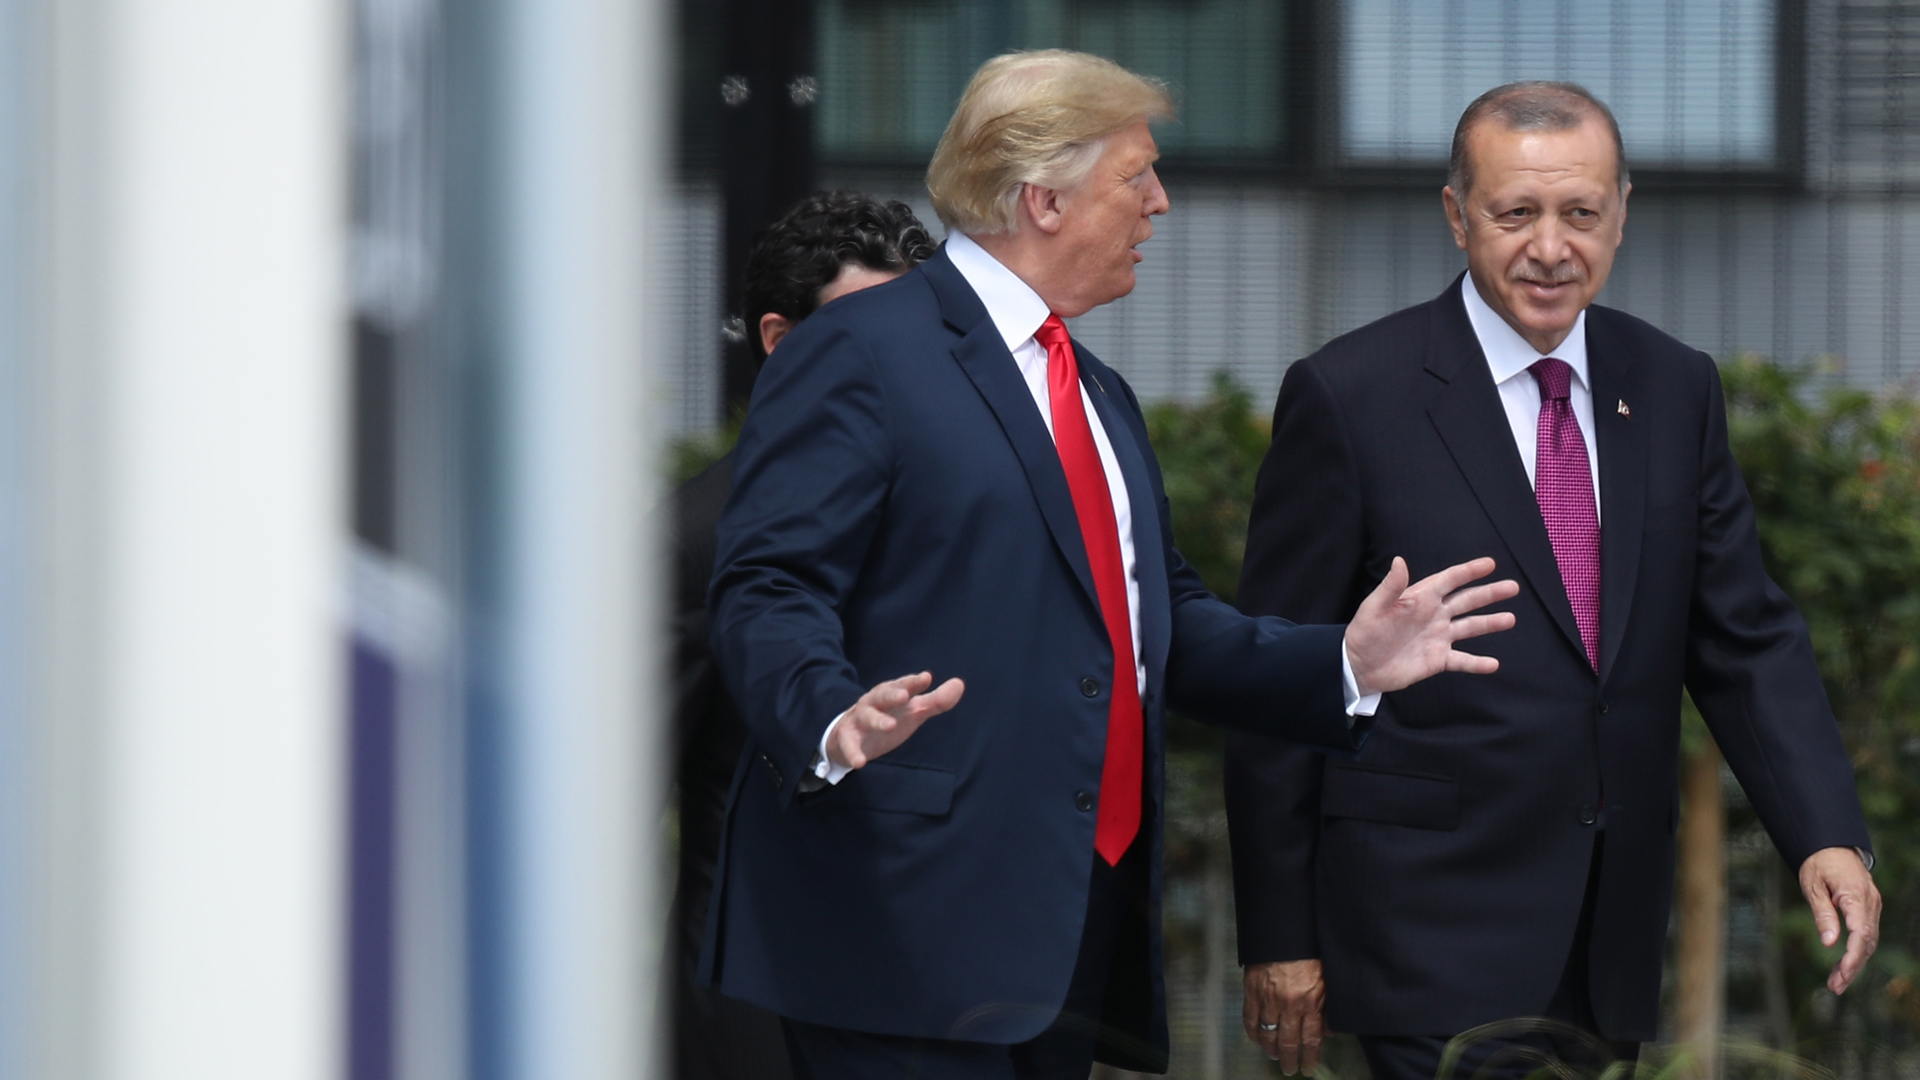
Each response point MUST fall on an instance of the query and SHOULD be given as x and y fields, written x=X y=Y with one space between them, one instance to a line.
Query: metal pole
x=769 y=92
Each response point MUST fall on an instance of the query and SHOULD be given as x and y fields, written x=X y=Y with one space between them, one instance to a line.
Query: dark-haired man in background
x=1505 y=846
x=830 y=244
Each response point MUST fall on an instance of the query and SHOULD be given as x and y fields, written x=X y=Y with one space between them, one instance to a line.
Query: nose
x=1548 y=244
x=1157 y=201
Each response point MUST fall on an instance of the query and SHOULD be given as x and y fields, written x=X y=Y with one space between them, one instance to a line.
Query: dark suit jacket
x=715 y=1037
x=1440 y=875
x=899 y=506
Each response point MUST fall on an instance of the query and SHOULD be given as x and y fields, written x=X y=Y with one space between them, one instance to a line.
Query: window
x=891 y=72
x=1692 y=82
x=1877 y=93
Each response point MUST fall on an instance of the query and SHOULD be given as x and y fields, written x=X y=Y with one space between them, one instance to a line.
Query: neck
x=1543 y=343
x=1027 y=254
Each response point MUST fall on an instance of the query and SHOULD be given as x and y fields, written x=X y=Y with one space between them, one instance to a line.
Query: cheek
x=1597 y=251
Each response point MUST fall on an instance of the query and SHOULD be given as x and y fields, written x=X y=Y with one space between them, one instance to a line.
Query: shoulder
x=1664 y=361
x=857 y=334
x=1374 y=354
x=848 y=338
x=1611 y=327
x=906 y=299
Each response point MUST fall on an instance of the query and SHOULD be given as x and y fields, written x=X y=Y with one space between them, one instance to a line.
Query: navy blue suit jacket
x=1440 y=875
x=899 y=506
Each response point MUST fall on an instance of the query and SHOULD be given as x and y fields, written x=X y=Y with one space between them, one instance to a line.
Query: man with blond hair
x=933 y=477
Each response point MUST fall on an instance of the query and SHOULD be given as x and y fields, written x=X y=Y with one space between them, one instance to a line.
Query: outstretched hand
x=887 y=716
x=1403 y=634
x=1837 y=885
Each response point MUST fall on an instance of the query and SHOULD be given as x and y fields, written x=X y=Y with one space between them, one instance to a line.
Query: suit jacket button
x=1603 y=708
x=1090 y=688
x=1588 y=816
x=1083 y=800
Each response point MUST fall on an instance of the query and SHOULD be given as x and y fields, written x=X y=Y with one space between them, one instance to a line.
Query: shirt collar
x=1016 y=310
x=1509 y=354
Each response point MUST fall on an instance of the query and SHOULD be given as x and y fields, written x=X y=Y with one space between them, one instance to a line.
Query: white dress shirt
x=1509 y=356
x=1017 y=312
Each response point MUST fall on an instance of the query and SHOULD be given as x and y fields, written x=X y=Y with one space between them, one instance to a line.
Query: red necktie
x=1119 y=820
x=1563 y=485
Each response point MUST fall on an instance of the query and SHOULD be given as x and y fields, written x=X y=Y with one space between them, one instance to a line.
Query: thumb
x=1396 y=580
x=1824 y=918
x=1391 y=586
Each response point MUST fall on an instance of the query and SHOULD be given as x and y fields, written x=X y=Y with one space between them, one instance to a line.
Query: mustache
x=1559 y=274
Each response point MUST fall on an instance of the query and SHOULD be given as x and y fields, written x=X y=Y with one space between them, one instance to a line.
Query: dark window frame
x=1310 y=156
x=1787 y=173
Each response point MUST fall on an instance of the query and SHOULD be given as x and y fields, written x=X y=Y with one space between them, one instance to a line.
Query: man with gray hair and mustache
x=934 y=477
x=1504 y=847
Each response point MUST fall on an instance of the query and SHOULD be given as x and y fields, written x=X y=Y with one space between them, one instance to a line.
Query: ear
x=1620 y=230
x=1456 y=217
x=772 y=328
x=1041 y=205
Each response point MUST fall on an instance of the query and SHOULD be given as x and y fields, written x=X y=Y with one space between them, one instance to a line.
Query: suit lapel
x=1622 y=448
x=1150 y=568
x=1471 y=421
x=983 y=355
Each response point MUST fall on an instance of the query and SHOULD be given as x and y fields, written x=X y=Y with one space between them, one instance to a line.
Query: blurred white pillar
x=183 y=374
x=582 y=151
x=16 y=935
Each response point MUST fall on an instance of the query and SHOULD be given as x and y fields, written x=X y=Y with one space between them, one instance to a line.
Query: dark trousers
x=714 y=1037
x=1064 y=1051
x=1571 y=1033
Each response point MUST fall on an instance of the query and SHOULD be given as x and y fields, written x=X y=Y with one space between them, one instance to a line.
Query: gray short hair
x=1032 y=118
x=1531 y=106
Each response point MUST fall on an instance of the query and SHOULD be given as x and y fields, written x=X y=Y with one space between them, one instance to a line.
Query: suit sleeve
x=811 y=476
x=1751 y=669
x=1262 y=674
x=1305 y=546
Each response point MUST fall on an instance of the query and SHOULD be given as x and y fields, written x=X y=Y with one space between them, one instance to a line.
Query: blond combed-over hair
x=1036 y=117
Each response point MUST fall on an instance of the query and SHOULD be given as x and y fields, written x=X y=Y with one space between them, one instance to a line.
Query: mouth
x=1546 y=291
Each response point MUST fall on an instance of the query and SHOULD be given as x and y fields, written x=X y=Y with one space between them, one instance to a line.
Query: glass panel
x=1691 y=81
x=890 y=73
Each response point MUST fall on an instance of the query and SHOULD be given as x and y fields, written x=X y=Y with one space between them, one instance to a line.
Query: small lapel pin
x=1624 y=411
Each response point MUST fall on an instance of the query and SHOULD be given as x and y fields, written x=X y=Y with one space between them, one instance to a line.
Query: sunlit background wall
x=1773 y=143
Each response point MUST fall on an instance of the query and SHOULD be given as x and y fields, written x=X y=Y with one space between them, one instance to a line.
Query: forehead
x=1133 y=144
x=1505 y=159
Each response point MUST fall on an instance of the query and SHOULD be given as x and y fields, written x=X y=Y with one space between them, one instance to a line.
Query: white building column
x=183 y=373
x=581 y=167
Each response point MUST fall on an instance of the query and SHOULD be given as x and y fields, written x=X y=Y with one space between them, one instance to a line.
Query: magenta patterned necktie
x=1564 y=486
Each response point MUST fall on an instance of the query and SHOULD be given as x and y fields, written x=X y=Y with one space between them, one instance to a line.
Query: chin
x=1551 y=318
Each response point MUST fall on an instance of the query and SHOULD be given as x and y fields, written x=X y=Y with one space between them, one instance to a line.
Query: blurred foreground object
x=171 y=337
x=220 y=836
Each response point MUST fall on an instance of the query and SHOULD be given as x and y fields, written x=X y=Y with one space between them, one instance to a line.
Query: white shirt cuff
x=1357 y=705
x=825 y=769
